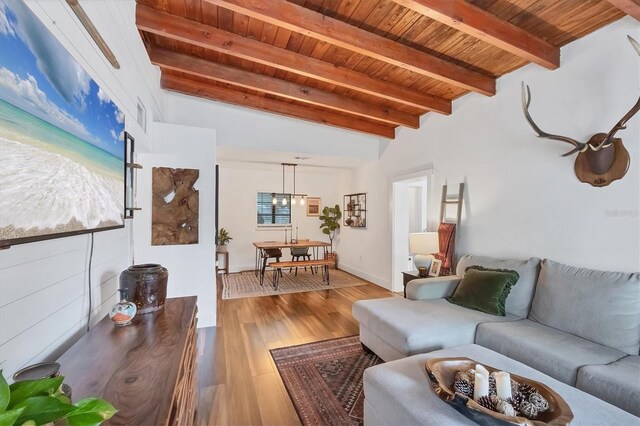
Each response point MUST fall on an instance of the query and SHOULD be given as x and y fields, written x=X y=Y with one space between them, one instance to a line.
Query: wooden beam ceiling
x=189 y=64
x=472 y=20
x=208 y=37
x=630 y=7
x=217 y=93
x=363 y=65
x=305 y=21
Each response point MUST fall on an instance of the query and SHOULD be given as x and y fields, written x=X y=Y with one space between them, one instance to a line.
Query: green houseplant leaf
x=86 y=419
x=8 y=418
x=90 y=412
x=25 y=389
x=5 y=393
x=43 y=409
x=37 y=402
x=329 y=222
x=223 y=237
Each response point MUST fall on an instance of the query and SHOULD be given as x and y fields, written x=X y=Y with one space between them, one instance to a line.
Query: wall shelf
x=355 y=210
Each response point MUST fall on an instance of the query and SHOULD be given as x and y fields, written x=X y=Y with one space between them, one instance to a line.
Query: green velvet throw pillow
x=485 y=289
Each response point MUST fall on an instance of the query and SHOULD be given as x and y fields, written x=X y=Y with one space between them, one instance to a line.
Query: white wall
x=243 y=128
x=239 y=184
x=523 y=199
x=43 y=285
x=191 y=267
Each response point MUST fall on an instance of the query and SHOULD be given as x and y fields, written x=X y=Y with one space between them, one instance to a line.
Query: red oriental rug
x=324 y=379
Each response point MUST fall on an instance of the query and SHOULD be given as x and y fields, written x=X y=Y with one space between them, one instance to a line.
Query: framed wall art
x=61 y=138
x=313 y=206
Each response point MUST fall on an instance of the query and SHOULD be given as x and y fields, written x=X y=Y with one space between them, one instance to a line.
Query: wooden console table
x=146 y=369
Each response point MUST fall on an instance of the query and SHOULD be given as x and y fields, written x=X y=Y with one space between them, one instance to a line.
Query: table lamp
x=422 y=245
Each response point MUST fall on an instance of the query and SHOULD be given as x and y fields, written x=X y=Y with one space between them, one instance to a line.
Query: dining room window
x=270 y=214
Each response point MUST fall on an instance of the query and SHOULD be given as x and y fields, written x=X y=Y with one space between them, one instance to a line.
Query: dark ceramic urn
x=146 y=286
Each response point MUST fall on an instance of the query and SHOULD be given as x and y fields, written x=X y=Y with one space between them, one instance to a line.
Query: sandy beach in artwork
x=51 y=181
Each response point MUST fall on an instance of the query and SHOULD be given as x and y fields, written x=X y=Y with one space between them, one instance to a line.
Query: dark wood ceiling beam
x=217 y=93
x=307 y=22
x=208 y=37
x=168 y=59
x=630 y=7
x=472 y=20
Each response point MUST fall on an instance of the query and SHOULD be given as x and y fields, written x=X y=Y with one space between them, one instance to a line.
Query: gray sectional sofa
x=579 y=326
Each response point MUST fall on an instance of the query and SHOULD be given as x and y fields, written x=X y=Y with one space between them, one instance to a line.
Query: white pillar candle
x=503 y=385
x=483 y=371
x=480 y=385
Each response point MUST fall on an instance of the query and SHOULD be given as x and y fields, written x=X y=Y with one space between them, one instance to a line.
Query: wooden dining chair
x=272 y=253
x=300 y=252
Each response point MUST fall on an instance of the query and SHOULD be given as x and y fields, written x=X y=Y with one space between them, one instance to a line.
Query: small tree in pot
x=330 y=225
x=222 y=239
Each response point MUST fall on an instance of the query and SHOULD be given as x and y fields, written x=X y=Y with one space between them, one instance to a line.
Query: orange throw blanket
x=447 y=239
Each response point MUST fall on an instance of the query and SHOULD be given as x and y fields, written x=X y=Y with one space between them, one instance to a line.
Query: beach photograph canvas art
x=61 y=137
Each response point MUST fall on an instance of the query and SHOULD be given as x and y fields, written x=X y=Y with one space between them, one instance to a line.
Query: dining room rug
x=247 y=284
x=324 y=379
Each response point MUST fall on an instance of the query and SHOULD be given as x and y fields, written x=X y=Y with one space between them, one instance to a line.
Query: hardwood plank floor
x=238 y=383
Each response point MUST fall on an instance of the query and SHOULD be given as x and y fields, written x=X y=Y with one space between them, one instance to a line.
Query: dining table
x=260 y=246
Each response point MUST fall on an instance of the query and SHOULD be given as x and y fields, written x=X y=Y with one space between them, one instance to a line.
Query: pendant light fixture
x=284 y=197
x=294 y=196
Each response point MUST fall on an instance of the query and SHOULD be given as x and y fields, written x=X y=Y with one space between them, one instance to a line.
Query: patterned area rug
x=324 y=379
x=247 y=284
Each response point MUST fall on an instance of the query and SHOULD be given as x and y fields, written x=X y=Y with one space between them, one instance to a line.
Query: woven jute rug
x=324 y=379
x=247 y=284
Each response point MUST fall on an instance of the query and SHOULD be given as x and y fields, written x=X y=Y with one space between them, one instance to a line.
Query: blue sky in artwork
x=39 y=76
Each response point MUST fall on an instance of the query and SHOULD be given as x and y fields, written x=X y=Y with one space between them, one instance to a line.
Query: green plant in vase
x=330 y=219
x=39 y=402
x=222 y=239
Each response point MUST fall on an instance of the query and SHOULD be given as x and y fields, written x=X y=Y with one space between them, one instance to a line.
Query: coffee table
x=400 y=393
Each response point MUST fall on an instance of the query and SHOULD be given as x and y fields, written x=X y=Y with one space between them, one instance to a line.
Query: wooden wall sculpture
x=174 y=213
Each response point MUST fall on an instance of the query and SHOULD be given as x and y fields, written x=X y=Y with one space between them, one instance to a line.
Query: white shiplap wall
x=44 y=299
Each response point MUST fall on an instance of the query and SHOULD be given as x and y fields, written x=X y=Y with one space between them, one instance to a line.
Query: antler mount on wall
x=601 y=160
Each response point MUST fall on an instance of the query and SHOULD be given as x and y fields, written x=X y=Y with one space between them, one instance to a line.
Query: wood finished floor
x=238 y=383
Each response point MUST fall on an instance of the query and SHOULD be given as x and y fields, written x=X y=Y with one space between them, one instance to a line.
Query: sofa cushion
x=416 y=326
x=546 y=349
x=603 y=307
x=484 y=289
x=519 y=300
x=617 y=383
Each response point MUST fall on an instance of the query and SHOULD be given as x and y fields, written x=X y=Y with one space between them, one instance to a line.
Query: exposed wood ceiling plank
x=297 y=18
x=472 y=20
x=181 y=29
x=195 y=88
x=235 y=76
x=630 y=7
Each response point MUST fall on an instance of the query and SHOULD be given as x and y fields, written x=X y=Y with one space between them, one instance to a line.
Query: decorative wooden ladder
x=446 y=200
x=451 y=244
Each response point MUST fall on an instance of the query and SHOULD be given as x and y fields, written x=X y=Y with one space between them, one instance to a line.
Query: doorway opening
x=410 y=197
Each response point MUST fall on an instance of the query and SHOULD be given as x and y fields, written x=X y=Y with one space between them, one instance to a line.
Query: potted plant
x=330 y=224
x=222 y=238
x=38 y=402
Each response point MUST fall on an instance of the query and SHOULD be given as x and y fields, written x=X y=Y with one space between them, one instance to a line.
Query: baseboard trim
x=364 y=275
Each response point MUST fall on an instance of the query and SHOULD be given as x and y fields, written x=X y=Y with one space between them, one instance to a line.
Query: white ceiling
x=226 y=153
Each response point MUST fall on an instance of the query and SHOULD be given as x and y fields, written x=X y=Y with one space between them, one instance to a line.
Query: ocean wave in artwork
x=43 y=190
